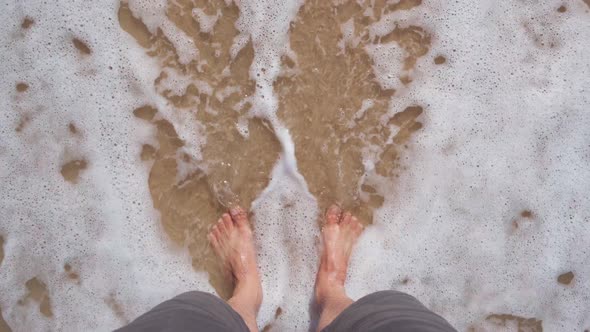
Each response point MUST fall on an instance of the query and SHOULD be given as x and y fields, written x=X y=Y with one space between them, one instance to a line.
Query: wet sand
x=333 y=106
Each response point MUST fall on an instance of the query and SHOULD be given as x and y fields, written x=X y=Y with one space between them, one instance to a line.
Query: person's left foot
x=233 y=243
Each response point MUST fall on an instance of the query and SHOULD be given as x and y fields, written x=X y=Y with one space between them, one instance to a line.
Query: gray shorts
x=380 y=311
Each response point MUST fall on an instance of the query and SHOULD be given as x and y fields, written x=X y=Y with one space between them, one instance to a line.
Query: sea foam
x=491 y=207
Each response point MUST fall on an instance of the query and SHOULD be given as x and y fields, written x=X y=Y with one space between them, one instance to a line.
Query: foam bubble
x=206 y=22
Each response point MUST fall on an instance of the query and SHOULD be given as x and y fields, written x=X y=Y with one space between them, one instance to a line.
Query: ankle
x=245 y=311
x=247 y=304
x=328 y=291
x=331 y=304
x=248 y=294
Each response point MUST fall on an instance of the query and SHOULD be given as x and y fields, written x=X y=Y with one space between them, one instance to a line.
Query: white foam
x=388 y=62
x=267 y=25
x=283 y=214
x=206 y=22
x=505 y=129
x=105 y=226
x=153 y=15
x=504 y=132
x=348 y=39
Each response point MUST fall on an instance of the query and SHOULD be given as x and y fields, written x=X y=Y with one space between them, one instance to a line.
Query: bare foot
x=233 y=243
x=339 y=234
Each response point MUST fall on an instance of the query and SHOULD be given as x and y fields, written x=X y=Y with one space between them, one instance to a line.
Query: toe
x=239 y=216
x=221 y=226
x=333 y=214
x=227 y=222
x=346 y=219
x=213 y=241
x=216 y=232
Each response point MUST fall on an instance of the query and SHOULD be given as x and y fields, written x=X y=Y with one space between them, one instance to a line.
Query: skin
x=339 y=234
x=233 y=243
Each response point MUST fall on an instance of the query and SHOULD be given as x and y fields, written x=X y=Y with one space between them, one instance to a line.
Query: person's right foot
x=233 y=242
x=339 y=234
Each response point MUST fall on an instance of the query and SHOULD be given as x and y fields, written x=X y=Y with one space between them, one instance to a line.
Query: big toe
x=239 y=215
x=213 y=241
x=333 y=214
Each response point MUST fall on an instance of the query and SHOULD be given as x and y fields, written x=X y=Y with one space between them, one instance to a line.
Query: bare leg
x=232 y=241
x=339 y=235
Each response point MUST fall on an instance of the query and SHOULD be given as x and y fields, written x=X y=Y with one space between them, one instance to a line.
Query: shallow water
x=331 y=105
x=456 y=132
